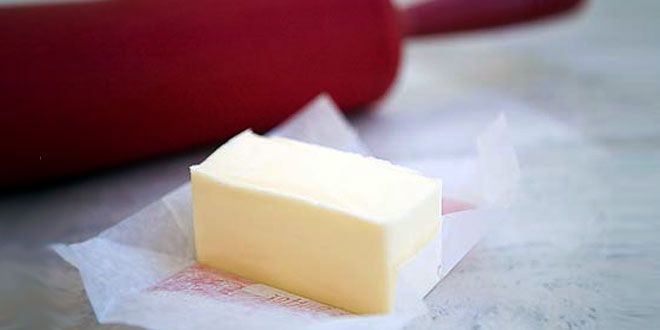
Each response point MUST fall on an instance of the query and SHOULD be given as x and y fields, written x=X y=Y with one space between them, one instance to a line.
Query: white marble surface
x=581 y=248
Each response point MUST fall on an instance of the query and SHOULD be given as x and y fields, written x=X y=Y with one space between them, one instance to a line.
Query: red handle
x=447 y=16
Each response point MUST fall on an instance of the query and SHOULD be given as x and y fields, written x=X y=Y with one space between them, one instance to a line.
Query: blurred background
x=580 y=249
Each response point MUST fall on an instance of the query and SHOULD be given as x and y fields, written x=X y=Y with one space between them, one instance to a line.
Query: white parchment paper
x=143 y=272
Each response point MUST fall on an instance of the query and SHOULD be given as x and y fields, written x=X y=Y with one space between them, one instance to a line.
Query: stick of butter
x=328 y=225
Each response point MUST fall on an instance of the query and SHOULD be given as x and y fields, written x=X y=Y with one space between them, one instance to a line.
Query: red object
x=86 y=85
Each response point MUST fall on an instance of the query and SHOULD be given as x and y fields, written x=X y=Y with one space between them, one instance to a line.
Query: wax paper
x=142 y=271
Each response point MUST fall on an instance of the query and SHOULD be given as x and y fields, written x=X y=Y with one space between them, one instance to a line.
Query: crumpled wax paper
x=142 y=271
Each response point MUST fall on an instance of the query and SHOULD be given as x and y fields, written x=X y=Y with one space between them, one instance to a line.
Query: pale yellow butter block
x=328 y=225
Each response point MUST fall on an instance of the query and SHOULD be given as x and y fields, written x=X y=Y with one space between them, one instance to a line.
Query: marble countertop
x=581 y=245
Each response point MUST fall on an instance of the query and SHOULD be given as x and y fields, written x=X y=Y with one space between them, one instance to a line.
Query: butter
x=328 y=225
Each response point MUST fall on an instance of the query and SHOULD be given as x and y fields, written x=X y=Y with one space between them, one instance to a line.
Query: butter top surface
x=370 y=188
